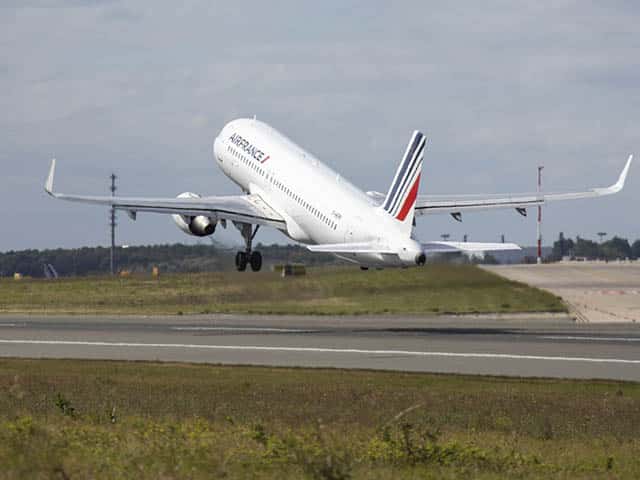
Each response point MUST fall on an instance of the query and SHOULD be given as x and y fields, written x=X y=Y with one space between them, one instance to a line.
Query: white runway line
x=244 y=329
x=9 y=325
x=592 y=339
x=321 y=350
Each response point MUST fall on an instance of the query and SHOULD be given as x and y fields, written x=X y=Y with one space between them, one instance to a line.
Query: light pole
x=445 y=236
x=112 y=224
x=539 y=224
x=602 y=235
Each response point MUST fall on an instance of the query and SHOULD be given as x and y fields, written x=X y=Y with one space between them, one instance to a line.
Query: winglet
x=623 y=175
x=48 y=185
x=619 y=185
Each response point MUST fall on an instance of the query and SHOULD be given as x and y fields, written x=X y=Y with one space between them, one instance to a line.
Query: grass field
x=430 y=290
x=98 y=419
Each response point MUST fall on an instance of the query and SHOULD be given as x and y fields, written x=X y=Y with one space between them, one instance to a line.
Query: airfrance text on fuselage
x=252 y=150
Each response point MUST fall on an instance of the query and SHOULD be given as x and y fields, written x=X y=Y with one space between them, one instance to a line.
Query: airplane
x=287 y=188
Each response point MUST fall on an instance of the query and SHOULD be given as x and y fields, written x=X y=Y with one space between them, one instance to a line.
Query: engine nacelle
x=198 y=226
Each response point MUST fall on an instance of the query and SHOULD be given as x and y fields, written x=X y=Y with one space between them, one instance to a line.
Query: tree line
x=616 y=248
x=205 y=258
x=168 y=258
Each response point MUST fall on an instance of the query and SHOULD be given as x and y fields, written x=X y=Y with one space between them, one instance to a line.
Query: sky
x=141 y=88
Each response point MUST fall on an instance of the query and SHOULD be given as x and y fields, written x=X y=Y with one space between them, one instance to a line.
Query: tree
x=562 y=247
x=616 y=248
x=635 y=249
x=587 y=248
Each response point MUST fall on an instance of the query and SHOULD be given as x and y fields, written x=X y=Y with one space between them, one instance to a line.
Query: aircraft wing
x=240 y=208
x=456 y=204
x=427 y=204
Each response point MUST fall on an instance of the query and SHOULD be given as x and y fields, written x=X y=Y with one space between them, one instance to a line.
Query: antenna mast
x=112 y=224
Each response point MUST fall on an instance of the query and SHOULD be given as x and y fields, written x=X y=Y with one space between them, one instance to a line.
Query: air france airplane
x=287 y=188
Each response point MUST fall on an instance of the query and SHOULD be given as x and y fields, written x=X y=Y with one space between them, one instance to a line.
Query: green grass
x=430 y=290
x=99 y=419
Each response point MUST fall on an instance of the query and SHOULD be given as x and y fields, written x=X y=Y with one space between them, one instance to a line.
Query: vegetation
x=140 y=259
x=215 y=257
x=98 y=419
x=429 y=290
x=613 y=249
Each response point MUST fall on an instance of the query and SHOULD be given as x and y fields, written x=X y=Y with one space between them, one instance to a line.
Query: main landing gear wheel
x=248 y=257
x=241 y=261
x=256 y=261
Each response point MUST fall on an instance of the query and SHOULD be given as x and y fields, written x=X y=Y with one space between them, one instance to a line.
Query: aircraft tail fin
x=402 y=194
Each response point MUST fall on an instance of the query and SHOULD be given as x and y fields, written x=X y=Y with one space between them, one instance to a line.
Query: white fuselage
x=318 y=205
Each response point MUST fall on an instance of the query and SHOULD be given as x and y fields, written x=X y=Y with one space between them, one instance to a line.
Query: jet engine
x=198 y=226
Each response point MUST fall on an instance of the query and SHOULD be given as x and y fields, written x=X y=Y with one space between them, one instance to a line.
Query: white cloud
x=142 y=87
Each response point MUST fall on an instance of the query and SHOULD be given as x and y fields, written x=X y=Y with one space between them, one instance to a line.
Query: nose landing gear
x=249 y=256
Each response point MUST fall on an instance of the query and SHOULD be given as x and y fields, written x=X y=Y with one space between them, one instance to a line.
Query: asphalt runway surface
x=516 y=346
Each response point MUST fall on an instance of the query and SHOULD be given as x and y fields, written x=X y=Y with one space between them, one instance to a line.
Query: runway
x=514 y=346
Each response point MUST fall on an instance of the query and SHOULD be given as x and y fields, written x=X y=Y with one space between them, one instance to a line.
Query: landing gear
x=248 y=257
x=256 y=261
x=241 y=261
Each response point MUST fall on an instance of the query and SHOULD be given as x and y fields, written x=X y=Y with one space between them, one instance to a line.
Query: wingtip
x=623 y=175
x=48 y=185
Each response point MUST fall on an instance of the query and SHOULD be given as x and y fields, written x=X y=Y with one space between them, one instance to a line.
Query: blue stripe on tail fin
x=401 y=173
x=405 y=183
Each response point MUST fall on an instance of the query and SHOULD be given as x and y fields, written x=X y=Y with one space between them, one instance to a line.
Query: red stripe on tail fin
x=410 y=201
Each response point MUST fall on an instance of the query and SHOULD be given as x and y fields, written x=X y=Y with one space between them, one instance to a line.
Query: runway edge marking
x=321 y=350
x=590 y=339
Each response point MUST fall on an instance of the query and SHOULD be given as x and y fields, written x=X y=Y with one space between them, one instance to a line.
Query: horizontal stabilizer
x=356 y=247
x=469 y=247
